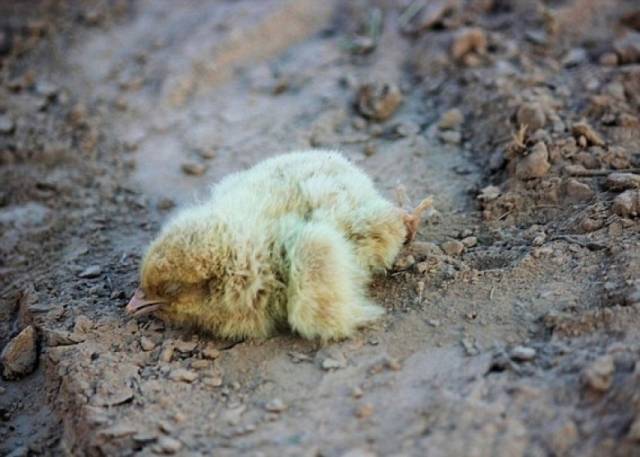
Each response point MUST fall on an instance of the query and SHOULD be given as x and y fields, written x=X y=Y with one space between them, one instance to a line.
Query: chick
x=292 y=242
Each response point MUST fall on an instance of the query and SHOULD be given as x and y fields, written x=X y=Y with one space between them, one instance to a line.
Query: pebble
x=91 y=272
x=423 y=249
x=623 y=181
x=357 y=392
x=470 y=241
x=536 y=164
x=200 y=364
x=193 y=168
x=168 y=445
x=609 y=59
x=563 y=438
x=166 y=203
x=532 y=115
x=467 y=40
x=489 y=193
x=451 y=136
x=582 y=129
x=185 y=347
x=378 y=101
x=183 y=375
x=275 y=406
x=332 y=364
x=627 y=204
x=452 y=247
x=20 y=355
x=213 y=381
x=599 y=374
x=578 y=191
x=147 y=343
x=404 y=262
x=451 y=119
x=588 y=225
x=210 y=353
x=523 y=353
x=167 y=353
x=6 y=124
x=628 y=47
x=574 y=57
x=364 y=411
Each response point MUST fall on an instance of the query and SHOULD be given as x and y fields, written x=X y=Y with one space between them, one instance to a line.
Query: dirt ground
x=513 y=323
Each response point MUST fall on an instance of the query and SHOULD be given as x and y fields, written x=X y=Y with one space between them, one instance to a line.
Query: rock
x=622 y=181
x=451 y=136
x=599 y=375
x=147 y=344
x=378 y=101
x=532 y=115
x=185 y=347
x=168 y=445
x=451 y=119
x=523 y=353
x=56 y=338
x=468 y=40
x=20 y=355
x=213 y=381
x=167 y=353
x=632 y=297
x=488 y=194
x=627 y=204
x=535 y=165
x=275 y=406
x=404 y=262
x=469 y=241
x=563 y=437
x=6 y=124
x=92 y=271
x=628 y=47
x=165 y=204
x=193 y=168
x=210 y=353
x=574 y=57
x=332 y=364
x=364 y=411
x=578 y=191
x=423 y=249
x=82 y=325
x=452 y=247
x=183 y=375
x=609 y=59
x=588 y=225
x=583 y=129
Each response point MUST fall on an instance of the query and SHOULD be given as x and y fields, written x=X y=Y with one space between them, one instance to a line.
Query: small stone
x=185 y=347
x=469 y=241
x=332 y=364
x=6 y=124
x=91 y=272
x=378 y=101
x=207 y=153
x=627 y=204
x=165 y=204
x=468 y=40
x=535 y=165
x=623 y=181
x=523 y=353
x=364 y=411
x=357 y=392
x=275 y=406
x=433 y=322
x=56 y=338
x=20 y=355
x=628 y=47
x=489 y=193
x=451 y=119
x=564 y=437
x=193 y=168
x=574 y=57
x=404 y=262
x=167 y=353
x=588 y=225
x=609 y=59
x=147 y=344
x=82 y=324
x=424 y=249
x=369 y=149
x=214 y=381
x=452 y=247
x=183 y=375
x=578 y=191
x=582 y=129
x=532 y=115
x=200 y=364
x=599 y=375
x=168 y=445
x=451 y=136
x=210 y=353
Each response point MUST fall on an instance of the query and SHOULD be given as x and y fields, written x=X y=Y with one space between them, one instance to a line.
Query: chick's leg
x=326 y=296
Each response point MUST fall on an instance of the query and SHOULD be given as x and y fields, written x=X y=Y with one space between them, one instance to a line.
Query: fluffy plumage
x=291 y=242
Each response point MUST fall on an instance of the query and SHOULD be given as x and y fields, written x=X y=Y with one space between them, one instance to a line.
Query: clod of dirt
x=275 y=406
x=451 y=119
x=183 y=375
x=165 y=204
x=564 y=437
x=210 y=353
x=20 y=355
x=468 y=40
x=423 y=249
x=147 y=344
x=523 y=353
x=92 y=271
x=6 y=124
x=583 y=129
x=185 y=347
x=588 y=224
x=378 y=101
x=532 y=116
x=536 y=164
x=404 y=262
x=364 y=411
x=193 y=168
x=56 y=338
x=452 y=247
x=488 y=194
x=627 y=204
x=451 y=136
x=599 y=375
x=622 y=181
x=469 y=241
x=574 y=57
x=578 y=191
x=168 y=445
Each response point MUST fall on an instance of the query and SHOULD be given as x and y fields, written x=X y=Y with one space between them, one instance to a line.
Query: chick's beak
x=139 y=306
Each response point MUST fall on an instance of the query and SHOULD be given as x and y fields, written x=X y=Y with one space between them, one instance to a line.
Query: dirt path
x=512 y=324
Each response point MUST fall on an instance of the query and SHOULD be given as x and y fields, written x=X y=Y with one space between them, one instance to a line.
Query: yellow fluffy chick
x=291 y=242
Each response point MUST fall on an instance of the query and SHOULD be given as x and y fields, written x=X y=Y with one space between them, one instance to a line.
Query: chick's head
x=179 y=271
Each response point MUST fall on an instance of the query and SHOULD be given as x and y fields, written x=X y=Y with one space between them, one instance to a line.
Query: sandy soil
x=512 y=324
